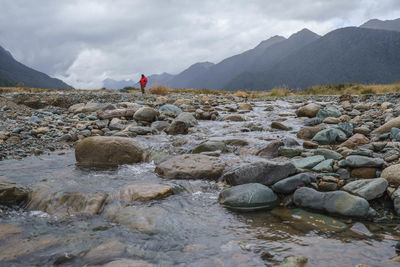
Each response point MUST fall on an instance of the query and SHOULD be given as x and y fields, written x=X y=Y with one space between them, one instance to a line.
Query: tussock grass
x=352 y=89
x=242 y=94
x=159 y=89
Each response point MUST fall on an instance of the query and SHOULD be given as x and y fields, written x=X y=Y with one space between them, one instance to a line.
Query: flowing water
x=188 y=228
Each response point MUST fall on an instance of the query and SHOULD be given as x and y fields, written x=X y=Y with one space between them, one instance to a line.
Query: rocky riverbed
x=121 y=179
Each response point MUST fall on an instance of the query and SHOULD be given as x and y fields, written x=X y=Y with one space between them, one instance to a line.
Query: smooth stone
x=280 y=126
x=362 y=130
x=330 y=112
x=177 y=127
x=12 y=194
x=347 y=128
x=394 y=132
x=290 y=142
x=308 y=132
x=141 y=192
x=248 y=197
x=210 y=146
x=364 y=173
x=7 y=230
x=387 y=127
x=310 y=145
x=361 y=161
x=290 y=184
x=337 y=202
x=116 y=113
x=140 y=130
x=160 y=125
x=355 y=141
x=396 y=200
x=234 y=117
x=368 y=188
x=324 y=166
x=244 y=106
x=187 y=118
x=361 y=229
x=16 y=248
x=106 y=251
x=392 y=174
x=329 y=136
x=328 y=154
x=331 y=120
x=289 y=152
x=145 y=114
x=309 y=110
x=312 y=122
x=170 y=109
x=271 y=150
x=104 y=151
x=191 y=166
x=236 y=142
x=128 y=263
x=265 y=172
x=307 y=163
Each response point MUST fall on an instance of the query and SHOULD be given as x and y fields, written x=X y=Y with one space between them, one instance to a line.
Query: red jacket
x=143 y=81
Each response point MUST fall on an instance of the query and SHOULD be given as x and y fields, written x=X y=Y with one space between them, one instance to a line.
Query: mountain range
x=13 y=72
x=366 y=54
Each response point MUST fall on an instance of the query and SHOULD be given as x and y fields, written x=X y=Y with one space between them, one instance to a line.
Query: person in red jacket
x=143 y=82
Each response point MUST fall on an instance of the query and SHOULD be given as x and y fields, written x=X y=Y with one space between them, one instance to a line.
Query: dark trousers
x=142 y=87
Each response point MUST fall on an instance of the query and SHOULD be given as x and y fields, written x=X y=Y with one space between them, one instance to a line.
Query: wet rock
x=309 y=110
x=7 y=230
x=343 y=174
x=396 y=200
x=188 y=118
x=244 y=106
x=141 y=192
x=330 y=112
x=170 y=110
x=331 y=120
x=294 y=261
x=64 y=204
x=15 y=247
x=140 y=130
x=271 y=150
x=329 y=136
x=248 y=197
x=128 y=263
x=289 y=152
x=12 y=194
x=308 y=132
x=368 y=188
x=312 y=121
x=280 y=126
x=385 y=128
x=310 y=145
x=361 y=161
x=116 y=113
x=364 y=173
x=290 y=184
x=106 y=251
x=209 y=146
x=324 y=166
x=356 y=141
x=191 y=166
x=337 y=202
x=145 y=114
x=177 y=127
x=307 y=163
x=361 y=229
x=101 y=151
x=392 y=174
x=160 y=125
x=234 y=117
x=236 y=142
x=264 y=172
x=290 y=142
x=328 y=154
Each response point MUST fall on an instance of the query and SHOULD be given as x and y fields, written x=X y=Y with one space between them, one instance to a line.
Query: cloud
x=86 y=41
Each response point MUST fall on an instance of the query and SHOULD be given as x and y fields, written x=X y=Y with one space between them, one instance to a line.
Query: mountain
x=183 y=79
x=389 y=25
x=12 y=72
x=347 y=55
x=221 y=73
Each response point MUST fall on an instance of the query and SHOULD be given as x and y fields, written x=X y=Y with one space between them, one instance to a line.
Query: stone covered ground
x=313 y=157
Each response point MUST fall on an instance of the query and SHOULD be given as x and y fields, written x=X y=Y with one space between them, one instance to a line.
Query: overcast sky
x=85 y=41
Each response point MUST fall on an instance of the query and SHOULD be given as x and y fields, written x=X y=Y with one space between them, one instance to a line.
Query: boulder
x=265 y=172
x=356 y=161
x=177 y=127
x=308 y=162
x=102 y=151
x=309 y=110
x=355 y=141
x=12 y=194
x=141 y=192
x=290 y=184
x=385 y=128
x=209 y=146
x=170 y=110
x=337 y=202
x=244 y=106
x=188 y=118
x=248 y=197
x=392 y=174
x=329 y=136
x=367 y=188
x=308 y=132
x=116 y=113
x=330 y=112
x=271 y=150
x=280 y=126
x=145 y=114
x=324 y=166
x=191 y=166
x=346 y=127
x=310 y=145
x=160 y=125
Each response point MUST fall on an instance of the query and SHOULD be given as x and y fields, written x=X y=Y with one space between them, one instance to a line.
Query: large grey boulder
x=337 y=202
x=264 y=172
x=145 y=114
x=329 y=136
x=170 y=110
x=108 y=151
x=356 y=161
x=187 y=118
x=289 y=185
x=191 y=166
x=248 y=197
x=367 y=188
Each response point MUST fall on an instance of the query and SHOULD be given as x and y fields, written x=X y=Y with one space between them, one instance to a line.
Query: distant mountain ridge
x=365 y=54
x=13 y=72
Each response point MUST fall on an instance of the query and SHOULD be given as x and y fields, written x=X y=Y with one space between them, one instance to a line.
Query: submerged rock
x=209 y=146
x=106 y=251
x=102 y=151
x=294 y=261
x=191 y=166
x=248 y=197
x=12 y=194
x=368 y=188
x=337 y=202
x=141 y=192
x=263 y=172
x=290 y=184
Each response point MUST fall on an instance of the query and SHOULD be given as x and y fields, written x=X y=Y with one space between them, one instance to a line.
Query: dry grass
x=159 y=89
x=352 y=89
x=242 y=94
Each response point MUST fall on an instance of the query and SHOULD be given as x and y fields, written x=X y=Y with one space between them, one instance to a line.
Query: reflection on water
x=187 y=228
